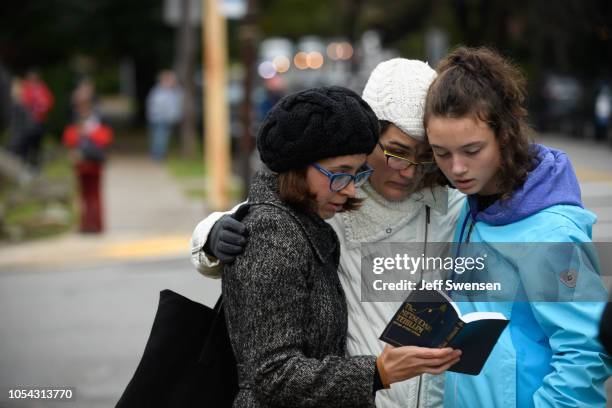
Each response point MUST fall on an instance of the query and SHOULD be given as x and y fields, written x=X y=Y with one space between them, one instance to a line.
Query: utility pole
x=216 y=146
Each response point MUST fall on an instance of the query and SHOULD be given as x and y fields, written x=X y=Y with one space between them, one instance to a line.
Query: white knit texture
x=396 y=93
x=377 y=214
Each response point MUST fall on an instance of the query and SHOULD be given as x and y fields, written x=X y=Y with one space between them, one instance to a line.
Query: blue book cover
x=429 y=318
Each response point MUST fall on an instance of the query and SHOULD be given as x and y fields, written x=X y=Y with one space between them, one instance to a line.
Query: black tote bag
x=188 y=360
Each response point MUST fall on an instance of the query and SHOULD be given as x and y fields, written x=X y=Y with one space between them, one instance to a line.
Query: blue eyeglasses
x=339 y=181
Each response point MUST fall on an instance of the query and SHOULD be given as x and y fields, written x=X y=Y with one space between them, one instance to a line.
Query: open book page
x=471 y=317
x=429 y=318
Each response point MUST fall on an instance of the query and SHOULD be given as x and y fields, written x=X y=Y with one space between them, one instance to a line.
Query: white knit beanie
x=396 y=93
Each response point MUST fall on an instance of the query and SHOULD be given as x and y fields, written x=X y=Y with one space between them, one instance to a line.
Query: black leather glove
x=228 y=236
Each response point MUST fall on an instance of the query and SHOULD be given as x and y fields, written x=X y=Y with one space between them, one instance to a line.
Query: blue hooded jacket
x=548 y=355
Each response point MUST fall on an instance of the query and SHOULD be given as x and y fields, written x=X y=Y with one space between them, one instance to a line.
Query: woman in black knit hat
x=284 y=305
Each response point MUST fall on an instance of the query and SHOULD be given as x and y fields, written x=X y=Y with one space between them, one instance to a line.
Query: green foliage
x=568 y=36
x=23 y=213
x=297 y=18
x=27 y=215
x=48 y=32
x=192 y=174
x=201 y=193
x=187 y=168
x=412 y=46
x=60 y=81
x=59 y=169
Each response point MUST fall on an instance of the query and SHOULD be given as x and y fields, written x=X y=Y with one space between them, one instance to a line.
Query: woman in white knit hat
x=402 y=204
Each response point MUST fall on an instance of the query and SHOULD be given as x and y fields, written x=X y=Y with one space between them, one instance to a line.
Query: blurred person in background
x=273 y=90
x=164 y=110
x=21 y=123
x=603 y=112
x=85 y=88
x=38 y=100
x=403 y=202
x=88 y=139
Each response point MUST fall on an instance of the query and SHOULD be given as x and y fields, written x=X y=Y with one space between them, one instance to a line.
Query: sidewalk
x=147 y=216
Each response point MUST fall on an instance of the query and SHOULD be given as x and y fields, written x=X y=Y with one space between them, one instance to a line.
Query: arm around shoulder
x=205 y=264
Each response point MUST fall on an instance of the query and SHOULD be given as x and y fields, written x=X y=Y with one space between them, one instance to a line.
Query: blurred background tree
x=62 y=37
x=564 y=47
x=66 y=38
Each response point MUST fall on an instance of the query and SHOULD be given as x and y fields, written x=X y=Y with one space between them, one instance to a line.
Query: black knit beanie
x=316 y=124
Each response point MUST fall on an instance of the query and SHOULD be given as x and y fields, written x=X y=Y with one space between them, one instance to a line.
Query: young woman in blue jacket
x=528 y=195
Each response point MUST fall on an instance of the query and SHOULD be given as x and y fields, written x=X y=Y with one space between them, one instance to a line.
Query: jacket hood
x=551 y=182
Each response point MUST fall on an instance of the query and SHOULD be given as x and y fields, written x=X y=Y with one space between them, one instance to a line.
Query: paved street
x=85 y=328
x=79 y=312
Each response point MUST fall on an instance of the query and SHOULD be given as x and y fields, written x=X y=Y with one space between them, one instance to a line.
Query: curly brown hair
x=293 y=190
x=481 y=83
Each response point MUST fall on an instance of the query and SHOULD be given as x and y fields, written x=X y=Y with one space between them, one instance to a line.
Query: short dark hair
x=481 y=83
x=293 y=190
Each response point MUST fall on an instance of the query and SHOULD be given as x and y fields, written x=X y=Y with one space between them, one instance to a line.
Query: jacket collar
x=377 y=214
x=434 y=197
x=264 y=191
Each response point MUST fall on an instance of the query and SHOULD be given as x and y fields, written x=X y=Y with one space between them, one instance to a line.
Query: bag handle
x=242 y=211
x=218 y=315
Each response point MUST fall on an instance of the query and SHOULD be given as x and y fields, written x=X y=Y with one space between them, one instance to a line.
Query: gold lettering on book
x=411 y=322
x=452 y=334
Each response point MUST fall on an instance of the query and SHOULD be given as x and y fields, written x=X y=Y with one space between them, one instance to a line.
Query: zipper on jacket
x=467 y=219
x=469 y=234
x=427 y=221
x=418 y=401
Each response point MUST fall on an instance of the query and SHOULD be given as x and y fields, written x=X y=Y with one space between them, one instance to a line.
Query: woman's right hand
x=402 y=363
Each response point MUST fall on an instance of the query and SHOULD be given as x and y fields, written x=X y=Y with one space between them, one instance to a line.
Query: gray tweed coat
x=286 y=312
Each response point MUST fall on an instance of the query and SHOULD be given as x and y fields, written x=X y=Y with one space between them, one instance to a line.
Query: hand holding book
x=429 y=318
x=400 y=363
